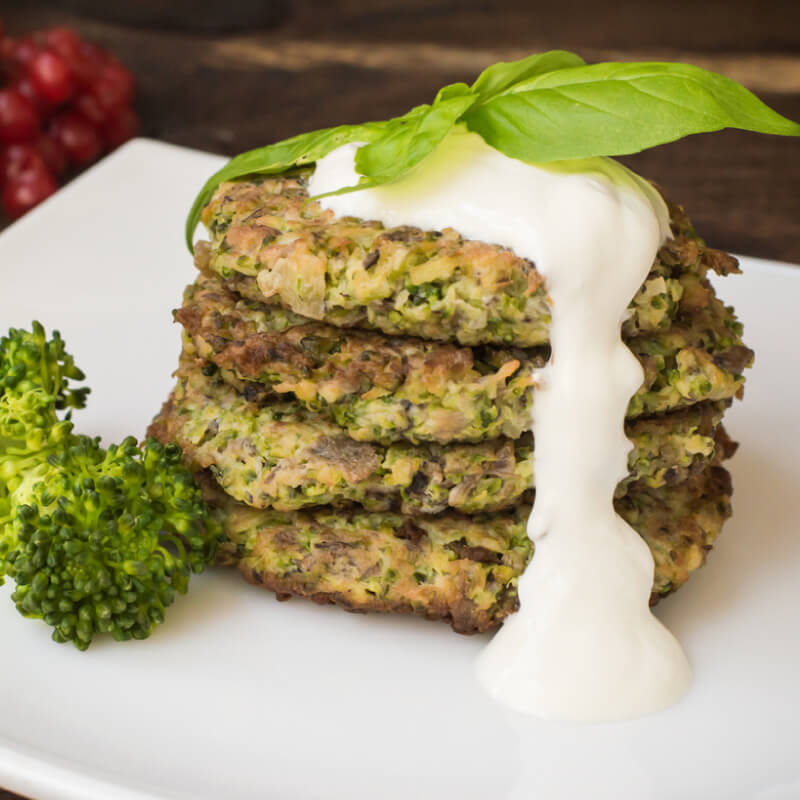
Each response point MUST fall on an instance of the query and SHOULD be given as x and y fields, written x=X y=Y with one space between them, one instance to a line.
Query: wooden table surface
x=351 y=60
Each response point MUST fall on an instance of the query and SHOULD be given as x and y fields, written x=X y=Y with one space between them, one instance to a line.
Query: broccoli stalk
x=97 y=540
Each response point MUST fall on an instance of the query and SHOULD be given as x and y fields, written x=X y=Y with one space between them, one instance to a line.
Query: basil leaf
x=613 y=109
x=303 y=149
x=408 y=139
x=501 y=76
x=452 y=90
x=545 y=107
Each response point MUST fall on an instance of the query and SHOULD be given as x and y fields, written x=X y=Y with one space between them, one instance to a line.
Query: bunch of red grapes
x=63 y=103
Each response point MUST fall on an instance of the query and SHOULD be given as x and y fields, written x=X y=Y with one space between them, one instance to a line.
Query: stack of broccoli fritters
x=358 y=401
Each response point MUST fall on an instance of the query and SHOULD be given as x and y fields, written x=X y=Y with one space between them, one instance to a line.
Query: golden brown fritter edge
x=456 y=568
x=279 y=455
x=273 y=244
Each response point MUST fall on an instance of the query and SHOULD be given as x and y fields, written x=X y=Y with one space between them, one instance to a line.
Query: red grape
x=53 y=154
x=119 y=73
x=51 y=77
x=63 y=101
x=88 y=106
x=24 y=50
x=26 y=191
x=16 y=159
x=63 y=41
x=113 y=88
x=124 y=124
x=77 y=136
x=6 y=52
x=93 y=56
x=18 y=118
x=24 y=86
x=68 y=45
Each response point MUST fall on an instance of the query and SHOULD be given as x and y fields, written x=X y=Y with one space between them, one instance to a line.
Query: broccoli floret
x=29 y=360
x=97 y=540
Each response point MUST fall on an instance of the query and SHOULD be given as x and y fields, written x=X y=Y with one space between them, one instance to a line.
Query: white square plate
x=238 y=696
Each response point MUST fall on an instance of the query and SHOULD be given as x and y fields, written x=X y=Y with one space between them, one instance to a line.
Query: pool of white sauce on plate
x=584 y=644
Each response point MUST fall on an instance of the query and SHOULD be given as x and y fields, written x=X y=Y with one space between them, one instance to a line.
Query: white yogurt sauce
x=584 y=644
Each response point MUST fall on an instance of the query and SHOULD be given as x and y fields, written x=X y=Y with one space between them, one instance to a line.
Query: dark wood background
x=325 y=63
x=349 y=60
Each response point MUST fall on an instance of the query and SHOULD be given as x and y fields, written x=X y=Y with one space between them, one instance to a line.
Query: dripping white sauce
x=584 y=644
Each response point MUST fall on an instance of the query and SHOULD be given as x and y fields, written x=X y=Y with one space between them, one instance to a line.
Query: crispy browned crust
x=227 y=330
x=461 y=614
x=367 y=562
x=385 y=388
x=281 y=456
x=273 y=244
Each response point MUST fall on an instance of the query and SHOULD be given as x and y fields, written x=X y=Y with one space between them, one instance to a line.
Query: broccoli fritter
x=358 y=401
x=276 y=246
x=279 y=455
x=385 y=389
x=462 y=569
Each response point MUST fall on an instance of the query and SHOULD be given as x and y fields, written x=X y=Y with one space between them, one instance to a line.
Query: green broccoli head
x=105 y=538
x=30 y=430
x=97 y=541
x=34 y=376
x=29 y=360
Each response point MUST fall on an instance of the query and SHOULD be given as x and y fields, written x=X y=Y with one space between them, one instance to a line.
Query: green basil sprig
x=615 y=109
x=546 y=107
x=501 y=76
x=406 y=140
x=303 y=149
